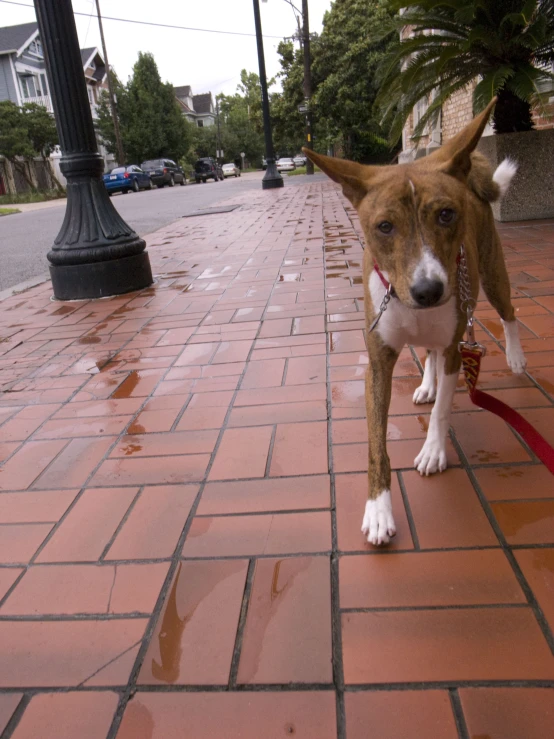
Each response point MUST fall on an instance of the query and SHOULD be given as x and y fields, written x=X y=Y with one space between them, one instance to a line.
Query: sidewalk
x=182 y=491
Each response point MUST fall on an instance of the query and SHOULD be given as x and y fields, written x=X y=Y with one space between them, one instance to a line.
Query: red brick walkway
x=182 y=492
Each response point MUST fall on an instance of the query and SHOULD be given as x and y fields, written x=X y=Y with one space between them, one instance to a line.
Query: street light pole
x=307 y=83
x=119 y=144
x=272 y=177
x=96 y=253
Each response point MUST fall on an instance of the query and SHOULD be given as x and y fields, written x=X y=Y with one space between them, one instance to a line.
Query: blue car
x=127 y=178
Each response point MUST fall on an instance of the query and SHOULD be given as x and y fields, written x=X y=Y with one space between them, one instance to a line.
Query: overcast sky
x=206 y=61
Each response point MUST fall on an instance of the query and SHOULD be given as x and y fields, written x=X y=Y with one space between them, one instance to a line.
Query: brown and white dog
x=415 y=217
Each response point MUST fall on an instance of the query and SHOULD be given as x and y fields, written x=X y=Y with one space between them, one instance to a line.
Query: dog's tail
x=504 y=174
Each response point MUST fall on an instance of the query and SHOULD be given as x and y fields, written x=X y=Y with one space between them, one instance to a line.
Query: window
x=90 y=95
x=43 y=84
x=200 y=124
x=92 y=65
x=28 y=87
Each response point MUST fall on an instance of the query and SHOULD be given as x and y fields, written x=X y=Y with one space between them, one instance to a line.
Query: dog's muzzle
x=427 y=292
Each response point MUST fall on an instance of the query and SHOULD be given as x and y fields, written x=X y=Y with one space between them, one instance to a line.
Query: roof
x=184 y=106
x=13 y=38
x=86 y=54
x=183 y=92
x=203 y=103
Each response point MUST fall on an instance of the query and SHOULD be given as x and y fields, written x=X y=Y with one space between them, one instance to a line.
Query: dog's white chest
x=431 y=328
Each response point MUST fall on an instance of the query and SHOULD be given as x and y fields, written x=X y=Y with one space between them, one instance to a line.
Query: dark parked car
x=127 y=178
x=164 y=172
x=207 y=168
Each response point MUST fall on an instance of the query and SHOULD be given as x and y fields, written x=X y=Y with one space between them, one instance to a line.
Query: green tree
x=506 y=44
x=345 y=63
x=22 y=132
x=42 y=134
x=150 y=119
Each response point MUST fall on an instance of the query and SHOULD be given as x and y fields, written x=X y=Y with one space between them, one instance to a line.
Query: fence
x=37 y=171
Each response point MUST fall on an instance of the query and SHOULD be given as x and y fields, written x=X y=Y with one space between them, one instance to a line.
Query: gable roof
x=86 y=54
x=203 y=103
x=183 y=92
x=13 y=38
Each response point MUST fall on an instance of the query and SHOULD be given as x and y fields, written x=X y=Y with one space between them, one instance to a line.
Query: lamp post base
x=272 y=177
x=101 y=279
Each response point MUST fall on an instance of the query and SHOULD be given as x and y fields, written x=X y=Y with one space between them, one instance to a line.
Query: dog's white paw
x=516 y=360
x=378 y=524
x=424 y=393
x=432 y=458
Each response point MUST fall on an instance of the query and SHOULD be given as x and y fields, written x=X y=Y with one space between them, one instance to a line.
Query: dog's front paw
x=378 y=524
x=432 y=458
x=424 y=393
x=516 y=360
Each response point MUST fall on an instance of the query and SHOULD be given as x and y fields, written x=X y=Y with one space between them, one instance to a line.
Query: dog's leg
x=432 y=457
x=378 y=522
x=496 y=284
x=427 y=391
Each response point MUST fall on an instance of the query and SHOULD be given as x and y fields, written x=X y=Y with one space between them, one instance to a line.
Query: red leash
x=471 y=363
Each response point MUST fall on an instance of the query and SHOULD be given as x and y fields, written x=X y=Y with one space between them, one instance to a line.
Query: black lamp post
x=272 y=177
x=96 y=253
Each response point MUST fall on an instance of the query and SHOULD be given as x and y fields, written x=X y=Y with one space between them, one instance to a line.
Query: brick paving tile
x=194 y=638
x=242 y=453
x=428 y=579
x=393 y=714
x=55 y=715
x=35 y=507
x=287 y=637
x=528 y=522
x=60 y=653
x=19 y=542
x=155 y=523
x=515 y=482
x=447 y=512
x=538 y=567
x=89 y=526
x=273 y=715
x=257 y=496
x=182 y=482
x=509 y=713
x=72 y=589
x=421 y=646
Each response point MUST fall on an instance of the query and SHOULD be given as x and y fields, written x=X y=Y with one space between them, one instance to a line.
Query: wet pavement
x=182 y=487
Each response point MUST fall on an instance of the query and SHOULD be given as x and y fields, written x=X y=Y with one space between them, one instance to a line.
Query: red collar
x=386 y=283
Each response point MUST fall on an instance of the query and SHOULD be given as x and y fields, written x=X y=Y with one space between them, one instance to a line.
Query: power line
x=151 y=23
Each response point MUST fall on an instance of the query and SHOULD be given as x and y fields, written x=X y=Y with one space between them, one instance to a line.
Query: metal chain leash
x=467 y=301
x=382 y=308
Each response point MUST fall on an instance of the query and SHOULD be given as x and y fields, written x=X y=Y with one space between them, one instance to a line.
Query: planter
x=531 y=194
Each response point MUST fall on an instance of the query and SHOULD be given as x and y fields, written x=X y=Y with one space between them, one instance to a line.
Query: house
x=23 y=71
x=198 y=109
x=454 y=115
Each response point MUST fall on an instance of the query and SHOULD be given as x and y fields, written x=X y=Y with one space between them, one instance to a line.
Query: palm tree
x=508 y=45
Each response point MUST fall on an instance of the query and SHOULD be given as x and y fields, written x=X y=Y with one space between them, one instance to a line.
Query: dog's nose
x=427 y=292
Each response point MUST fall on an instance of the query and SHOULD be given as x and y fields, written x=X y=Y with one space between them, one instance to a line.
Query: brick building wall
x=457 y=112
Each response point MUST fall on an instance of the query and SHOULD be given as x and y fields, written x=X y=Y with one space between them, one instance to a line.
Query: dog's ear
x=454 y=157
x=353 y=177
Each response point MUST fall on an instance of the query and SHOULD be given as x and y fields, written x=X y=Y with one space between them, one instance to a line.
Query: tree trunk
x=511 y=114
x=55 y=180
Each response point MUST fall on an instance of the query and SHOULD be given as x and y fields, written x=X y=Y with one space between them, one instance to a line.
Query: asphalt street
x=25 y=238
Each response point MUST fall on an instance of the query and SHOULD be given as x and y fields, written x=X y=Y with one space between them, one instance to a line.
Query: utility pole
x=307 y=83
x=219 y=154
x=272 y=177
x=119 y=144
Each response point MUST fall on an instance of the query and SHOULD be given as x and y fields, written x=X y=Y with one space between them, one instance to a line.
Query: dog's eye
x=446 y=216
x=385 y=227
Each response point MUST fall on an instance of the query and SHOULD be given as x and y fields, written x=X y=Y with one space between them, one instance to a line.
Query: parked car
x=164 y=172
x=285 y=164
x=207 y=168
x=127 y=178
x=299 y=160
x=231 y=170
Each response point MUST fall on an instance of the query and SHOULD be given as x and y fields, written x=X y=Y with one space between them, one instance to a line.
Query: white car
x=299 y=160
x=285 y=164
x=231 y=170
